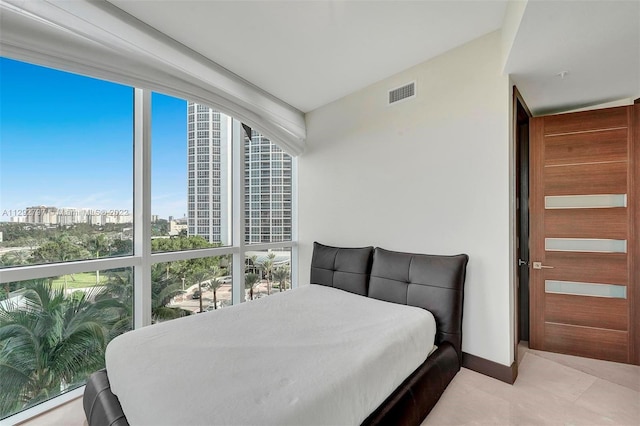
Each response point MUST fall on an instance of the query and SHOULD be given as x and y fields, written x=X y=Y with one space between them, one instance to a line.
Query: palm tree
x=250 y=264
x=200 y=275
x=280 y=275
x=214 y=284
x=119 y=286
x=267 y=267
x=250 y=280
x=98 y=244
x=50 y=342
x=163 y=289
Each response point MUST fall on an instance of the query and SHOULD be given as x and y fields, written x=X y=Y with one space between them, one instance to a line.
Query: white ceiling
x=309 y=53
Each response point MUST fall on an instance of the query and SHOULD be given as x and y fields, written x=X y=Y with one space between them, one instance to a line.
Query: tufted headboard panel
x=344 y=268
x=435 y=283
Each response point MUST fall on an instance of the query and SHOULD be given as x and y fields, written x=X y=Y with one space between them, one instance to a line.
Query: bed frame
x=431 y=282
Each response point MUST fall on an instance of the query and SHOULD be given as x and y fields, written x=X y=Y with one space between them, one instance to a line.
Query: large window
x=113 y=218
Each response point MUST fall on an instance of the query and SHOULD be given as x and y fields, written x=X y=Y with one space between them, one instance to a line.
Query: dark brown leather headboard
x=344 y=268
x=435 y=283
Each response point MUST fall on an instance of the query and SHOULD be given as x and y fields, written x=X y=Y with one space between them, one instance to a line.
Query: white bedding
x=313 y=355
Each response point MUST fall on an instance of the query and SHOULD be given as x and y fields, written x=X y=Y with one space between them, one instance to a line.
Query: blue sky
x=67 y=141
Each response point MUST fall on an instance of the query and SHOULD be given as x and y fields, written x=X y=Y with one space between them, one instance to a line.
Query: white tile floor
x=551 y=389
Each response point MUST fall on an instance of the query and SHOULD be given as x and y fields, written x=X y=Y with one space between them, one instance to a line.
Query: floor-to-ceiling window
x=120 y=208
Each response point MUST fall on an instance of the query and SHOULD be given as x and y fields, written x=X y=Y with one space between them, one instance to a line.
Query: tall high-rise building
x=267 y=181
x=208 y=163
x=267 y=191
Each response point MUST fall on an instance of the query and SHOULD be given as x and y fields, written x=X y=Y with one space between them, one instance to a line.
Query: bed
x=332 y=352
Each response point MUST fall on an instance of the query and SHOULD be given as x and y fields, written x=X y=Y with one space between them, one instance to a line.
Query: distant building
x=116 y=218
x=69 y=216
x=41 y=215
x=95 y=219
x=177 y=226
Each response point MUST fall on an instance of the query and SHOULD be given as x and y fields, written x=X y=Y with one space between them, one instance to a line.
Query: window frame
x=142 y=258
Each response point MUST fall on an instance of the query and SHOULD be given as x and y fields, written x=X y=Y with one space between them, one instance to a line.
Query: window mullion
x=142 y=207
x=238 y=210
x=294 y=222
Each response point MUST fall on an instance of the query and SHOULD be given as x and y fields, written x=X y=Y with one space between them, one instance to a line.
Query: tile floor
x=551 y=389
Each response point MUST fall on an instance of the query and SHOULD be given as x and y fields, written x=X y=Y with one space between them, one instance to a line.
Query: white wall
x=428 y=175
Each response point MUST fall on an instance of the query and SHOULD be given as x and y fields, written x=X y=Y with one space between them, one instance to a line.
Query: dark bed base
x=408 y=405
x=101 y=406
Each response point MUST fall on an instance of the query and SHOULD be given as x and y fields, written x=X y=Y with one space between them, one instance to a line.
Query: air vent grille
x=401 y=93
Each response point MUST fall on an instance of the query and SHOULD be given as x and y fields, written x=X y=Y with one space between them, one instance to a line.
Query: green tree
x=60 y=249
x=179 y=243
x=160 y=228
x=250 y=281
x=267 y=267
x=213 y=284
x=15 y=258
x=22 y=234
x=50 y=342
x=194 y=271
x=250 y=264
x=199 y=275
x=121 y=246
x=163 y=288
x=119 y=286
x=201 y=271
x=98 y=244
x=280 y=275
x=12 y=258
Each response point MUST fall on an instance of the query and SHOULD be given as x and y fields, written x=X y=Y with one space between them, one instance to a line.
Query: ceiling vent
x=408 y=91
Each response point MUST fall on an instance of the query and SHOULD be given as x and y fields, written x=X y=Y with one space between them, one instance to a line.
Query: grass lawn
x=85 y=279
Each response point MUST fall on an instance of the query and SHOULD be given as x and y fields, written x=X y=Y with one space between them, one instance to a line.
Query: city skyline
x=79 y=131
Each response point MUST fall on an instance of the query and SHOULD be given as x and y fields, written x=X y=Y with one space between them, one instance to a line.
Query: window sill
x=42 y=408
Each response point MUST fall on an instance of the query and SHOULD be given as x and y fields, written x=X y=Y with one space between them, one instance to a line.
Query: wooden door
x=584 y=225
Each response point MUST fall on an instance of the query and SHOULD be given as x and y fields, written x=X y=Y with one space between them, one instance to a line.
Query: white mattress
x=313 y=355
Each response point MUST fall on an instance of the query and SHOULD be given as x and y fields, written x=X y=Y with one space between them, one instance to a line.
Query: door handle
x=522 y=262
x=539 y=265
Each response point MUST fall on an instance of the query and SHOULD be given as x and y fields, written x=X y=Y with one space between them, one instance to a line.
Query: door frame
x=521 y=295
x=634 y=229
